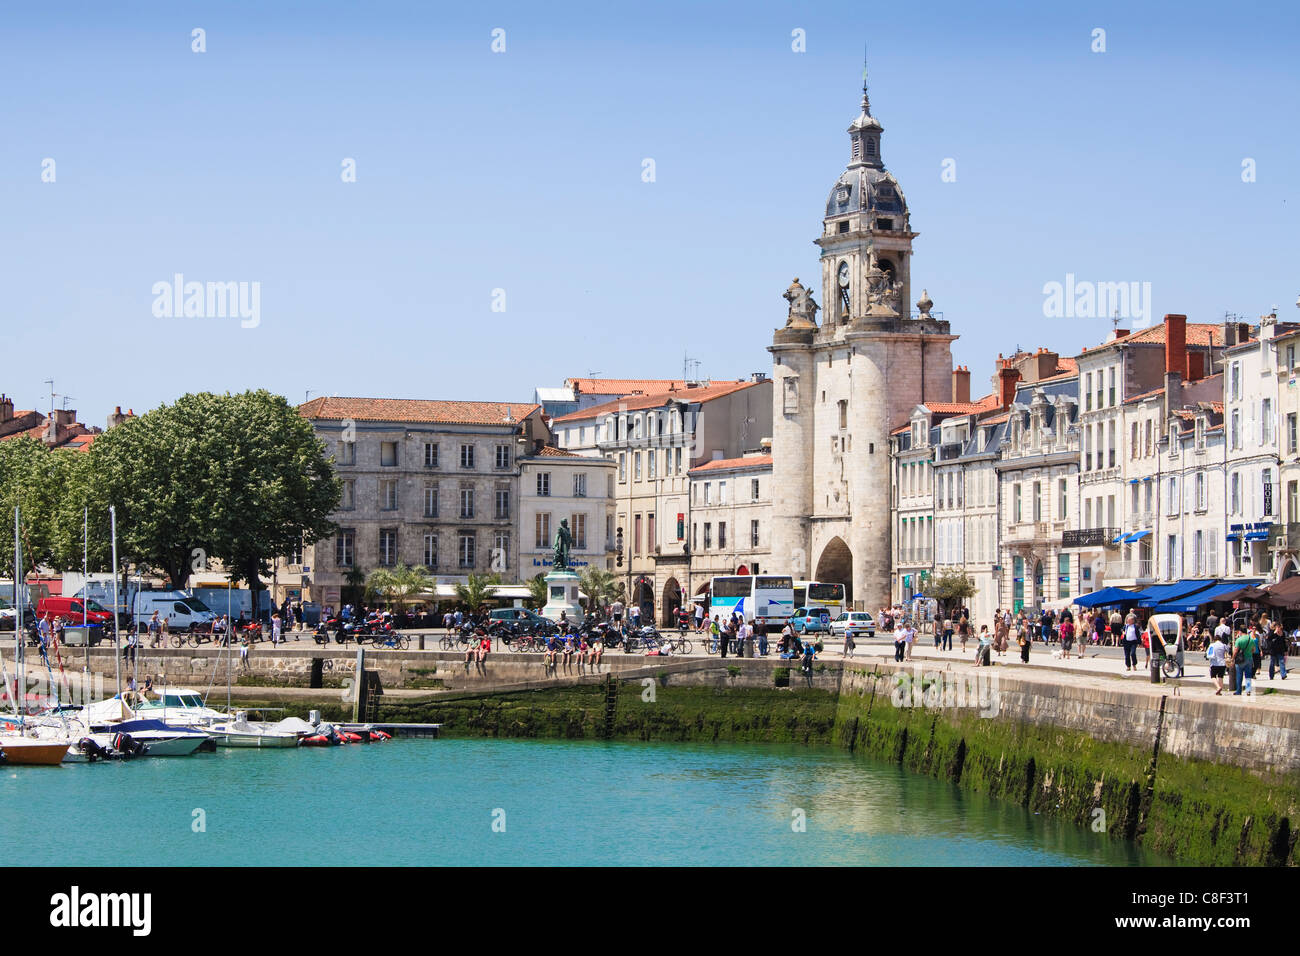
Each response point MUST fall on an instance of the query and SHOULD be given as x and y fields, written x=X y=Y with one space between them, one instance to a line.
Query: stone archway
x=1290 y=569
x=835 y=566
x=671 y=602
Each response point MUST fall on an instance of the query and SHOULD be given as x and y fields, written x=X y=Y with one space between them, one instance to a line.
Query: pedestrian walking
x=1067 y=637
x=1025 y=640
x=276 y=626
x=909 y=639
x=1243 y=660
x=699 y=618
x=1217 y=655
x=1130 y=642
x=1277 y=651
x=155 y=630
x=244 y=646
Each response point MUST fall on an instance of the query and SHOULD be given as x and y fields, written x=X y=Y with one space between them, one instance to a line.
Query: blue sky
x=522 y=171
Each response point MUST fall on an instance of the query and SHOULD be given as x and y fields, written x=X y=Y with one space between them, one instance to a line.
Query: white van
x=181 y=611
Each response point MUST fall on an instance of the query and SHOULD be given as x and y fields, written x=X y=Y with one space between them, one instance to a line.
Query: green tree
x=34 y=479
x=477 y=589
x=950 y=588
x=599 y=585
x=238 y=478
x=400 y=585
x=538 y=591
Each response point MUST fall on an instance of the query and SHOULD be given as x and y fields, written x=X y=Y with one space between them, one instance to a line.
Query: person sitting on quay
x=566 y=656
x=471 y=651
x=597 y=652
x=809 y=655
x=552 y=651
x=484 y=647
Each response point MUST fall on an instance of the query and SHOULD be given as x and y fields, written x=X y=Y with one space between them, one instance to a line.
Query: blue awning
x=1190 y=603
x=1106 y=596
x=1165 y=593
x=1232 y=536
x=1134 y=481
x=1118 y=539
x=1256 y=535
x=1137 y=536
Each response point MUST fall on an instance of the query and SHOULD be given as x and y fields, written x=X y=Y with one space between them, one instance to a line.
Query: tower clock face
x=844 y=275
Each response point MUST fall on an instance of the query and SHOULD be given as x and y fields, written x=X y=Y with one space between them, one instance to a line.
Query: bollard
x=1156 y=676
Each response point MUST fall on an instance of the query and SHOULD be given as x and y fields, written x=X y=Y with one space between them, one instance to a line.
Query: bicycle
x=679 y=645
x=393 y=639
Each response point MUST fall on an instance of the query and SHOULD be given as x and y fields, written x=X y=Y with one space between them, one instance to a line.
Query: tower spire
x=866 y=103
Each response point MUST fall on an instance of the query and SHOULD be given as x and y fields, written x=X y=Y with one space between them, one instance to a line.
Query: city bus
x=763 y=598
x=820 y=594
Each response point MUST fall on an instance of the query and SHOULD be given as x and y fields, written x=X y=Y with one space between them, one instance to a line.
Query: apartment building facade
x=430 y=484
x=557 y=485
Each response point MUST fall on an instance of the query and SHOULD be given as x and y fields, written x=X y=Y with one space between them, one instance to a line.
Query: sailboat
x=17 y=747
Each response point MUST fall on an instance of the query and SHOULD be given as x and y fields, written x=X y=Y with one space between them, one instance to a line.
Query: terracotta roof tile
x=754 y=461
x=621 y=386
x=550 y=451
x=987 y=403
x=703 y=393
x=416 y=410
x=1198 y=334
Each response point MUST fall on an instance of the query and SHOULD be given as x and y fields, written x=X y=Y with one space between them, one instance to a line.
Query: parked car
x=811 y=620
x=517 y=615
x=857 y=623
x=72 y=608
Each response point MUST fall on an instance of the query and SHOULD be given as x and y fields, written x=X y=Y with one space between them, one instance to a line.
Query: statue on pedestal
x=803 y=310
x=563 y=542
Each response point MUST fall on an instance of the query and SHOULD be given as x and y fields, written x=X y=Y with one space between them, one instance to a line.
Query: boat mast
x=85 y=597
x=117 y=649
x=18 y=620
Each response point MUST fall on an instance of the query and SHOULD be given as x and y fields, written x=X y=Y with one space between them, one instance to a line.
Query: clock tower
x=866 y=224
x=842 y=386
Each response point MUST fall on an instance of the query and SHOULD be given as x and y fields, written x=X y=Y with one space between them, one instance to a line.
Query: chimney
x=1195 y=366
x=64 y=416
x=961 y=384
x=1007 y=378
x=6 y=408
x=116 y=418
x=1175 y=344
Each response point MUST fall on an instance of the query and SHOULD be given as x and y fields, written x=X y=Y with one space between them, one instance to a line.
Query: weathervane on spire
x=866 y=104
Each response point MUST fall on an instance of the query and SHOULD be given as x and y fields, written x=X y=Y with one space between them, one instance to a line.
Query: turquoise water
x=429 y=802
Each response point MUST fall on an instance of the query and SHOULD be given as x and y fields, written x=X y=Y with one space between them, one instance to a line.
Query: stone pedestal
x=562 y=595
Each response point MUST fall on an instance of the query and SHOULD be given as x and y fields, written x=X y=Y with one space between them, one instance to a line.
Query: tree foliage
x=477 y=589
x=950 y=588
x=400 y=585
x=237 y=478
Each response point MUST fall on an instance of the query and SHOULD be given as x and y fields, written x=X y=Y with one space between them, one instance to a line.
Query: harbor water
x=522 y=802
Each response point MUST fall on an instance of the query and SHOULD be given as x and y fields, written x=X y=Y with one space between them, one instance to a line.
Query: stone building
x=556 y=485
x=654 y=439
x=431 y=484
x=730 y=517
x=842 y=386
x=1285 y=541
x=1167 y=360
x=1037 y=472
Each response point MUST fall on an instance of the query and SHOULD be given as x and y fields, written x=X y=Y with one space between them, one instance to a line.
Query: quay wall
x=1208 y=781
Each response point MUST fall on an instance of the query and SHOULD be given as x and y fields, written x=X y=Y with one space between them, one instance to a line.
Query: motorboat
x=160 y=739
x=21 y=750
x=239 y=731
x=181 y=707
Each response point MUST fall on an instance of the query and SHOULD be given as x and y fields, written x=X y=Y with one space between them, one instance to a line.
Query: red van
x=70 y=609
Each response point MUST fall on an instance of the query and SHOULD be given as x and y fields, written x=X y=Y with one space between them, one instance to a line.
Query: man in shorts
x=1217 y=654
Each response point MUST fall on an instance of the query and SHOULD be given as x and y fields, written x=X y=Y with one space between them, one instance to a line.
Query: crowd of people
x=1235 y=648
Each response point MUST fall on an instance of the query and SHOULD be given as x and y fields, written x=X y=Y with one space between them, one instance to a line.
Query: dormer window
x=844 y=226
x=886 y=225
